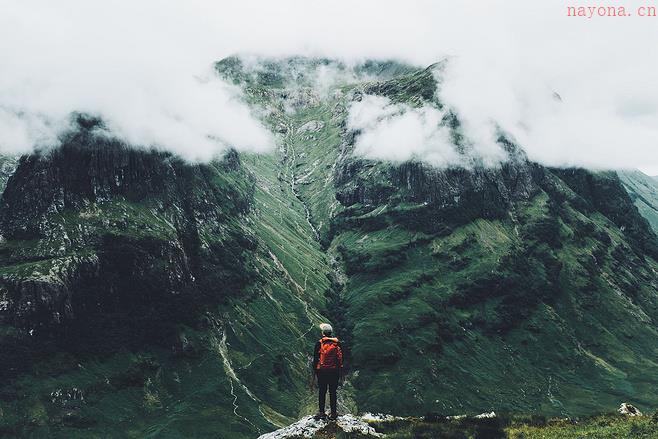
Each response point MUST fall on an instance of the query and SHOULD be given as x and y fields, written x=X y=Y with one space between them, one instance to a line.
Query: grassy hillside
x=609 y=426
x=644 y=193
x=500 y=314
x=484 y=426
x=158 y=313
x=520 y=288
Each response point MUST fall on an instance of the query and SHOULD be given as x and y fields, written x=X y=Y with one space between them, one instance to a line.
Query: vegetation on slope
x=643 y=190
x=484 y=426
x=609 y=426
x=518 y=288
x=145 y=297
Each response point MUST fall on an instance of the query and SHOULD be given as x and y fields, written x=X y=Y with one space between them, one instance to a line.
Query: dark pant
x=328 y=379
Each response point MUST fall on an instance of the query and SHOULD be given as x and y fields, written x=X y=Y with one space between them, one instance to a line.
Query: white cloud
x=137 y=63
x=398 y=132
x=606 y=115
x=132 y=64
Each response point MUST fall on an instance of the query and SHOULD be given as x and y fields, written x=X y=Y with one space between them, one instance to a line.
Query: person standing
x=328 y=370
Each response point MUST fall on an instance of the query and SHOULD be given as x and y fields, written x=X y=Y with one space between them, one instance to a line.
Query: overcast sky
x=145 y=67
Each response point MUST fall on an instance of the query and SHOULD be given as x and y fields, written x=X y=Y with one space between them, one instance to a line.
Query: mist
x=570 y=91
x=383 y=127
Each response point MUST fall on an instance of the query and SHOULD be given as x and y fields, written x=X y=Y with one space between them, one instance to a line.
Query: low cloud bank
x=144 y=67
x=132 y=65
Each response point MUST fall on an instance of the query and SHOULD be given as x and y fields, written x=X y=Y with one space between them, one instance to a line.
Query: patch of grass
x=508 y=427
x=599 y=427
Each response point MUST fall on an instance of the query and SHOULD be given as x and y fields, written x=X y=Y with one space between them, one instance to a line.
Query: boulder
x=629 y=410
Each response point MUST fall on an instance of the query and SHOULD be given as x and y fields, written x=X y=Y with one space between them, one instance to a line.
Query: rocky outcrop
x=308 y=427
x=629 y=410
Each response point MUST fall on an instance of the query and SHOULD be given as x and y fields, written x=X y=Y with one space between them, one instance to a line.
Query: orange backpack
x=331 y=356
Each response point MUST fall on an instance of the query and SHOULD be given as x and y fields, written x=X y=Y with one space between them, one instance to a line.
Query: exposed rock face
x=486 y=415
x=89 y=168
x=451 y=195
x=444 y=198
x=311 y=126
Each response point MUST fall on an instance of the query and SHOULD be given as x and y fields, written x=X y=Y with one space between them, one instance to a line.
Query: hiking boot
x=333 y=416
x=320 y=415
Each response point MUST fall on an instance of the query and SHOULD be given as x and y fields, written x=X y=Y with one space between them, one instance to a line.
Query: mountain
x=141 y=293
x=143 y=296
x=644 y=193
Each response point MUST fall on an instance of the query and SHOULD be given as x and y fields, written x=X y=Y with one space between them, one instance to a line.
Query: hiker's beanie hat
x=326 y=329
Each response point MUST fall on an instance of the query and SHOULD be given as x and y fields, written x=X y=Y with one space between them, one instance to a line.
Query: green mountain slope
x=145 y=297
x=643 y=190
x=519 y=288
x=141 y=296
